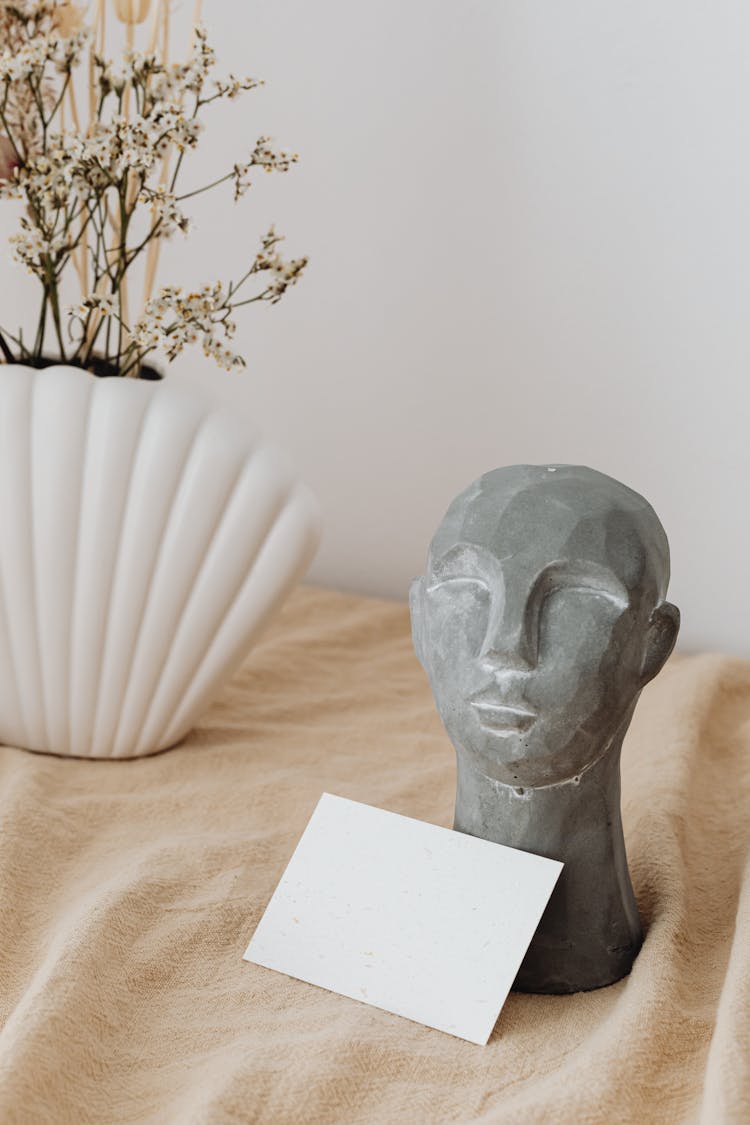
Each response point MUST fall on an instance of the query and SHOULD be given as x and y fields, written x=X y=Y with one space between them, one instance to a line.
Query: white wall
x=529 y=232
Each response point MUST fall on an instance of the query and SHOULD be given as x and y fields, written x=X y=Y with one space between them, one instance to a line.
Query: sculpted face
x=540 y=618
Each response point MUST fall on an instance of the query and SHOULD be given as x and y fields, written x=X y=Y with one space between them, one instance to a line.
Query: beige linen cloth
x=130 y=890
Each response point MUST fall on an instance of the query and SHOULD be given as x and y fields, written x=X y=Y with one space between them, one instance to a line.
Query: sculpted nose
x=510 y=640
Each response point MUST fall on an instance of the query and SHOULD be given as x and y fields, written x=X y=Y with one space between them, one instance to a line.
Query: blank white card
x=419 y=920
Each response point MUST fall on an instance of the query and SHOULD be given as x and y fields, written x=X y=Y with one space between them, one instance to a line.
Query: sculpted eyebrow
x=462 y=562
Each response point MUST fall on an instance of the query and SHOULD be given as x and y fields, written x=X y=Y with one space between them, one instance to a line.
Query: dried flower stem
x=154 y=250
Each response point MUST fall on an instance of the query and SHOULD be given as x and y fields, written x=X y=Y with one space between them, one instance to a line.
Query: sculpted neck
x=590 y=932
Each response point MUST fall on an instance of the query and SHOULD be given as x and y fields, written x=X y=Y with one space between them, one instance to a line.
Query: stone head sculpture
x=539 y=619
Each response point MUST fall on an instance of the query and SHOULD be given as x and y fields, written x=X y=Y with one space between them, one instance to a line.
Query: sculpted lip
x=499 y=716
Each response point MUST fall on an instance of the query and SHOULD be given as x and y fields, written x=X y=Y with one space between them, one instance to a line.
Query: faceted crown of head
x=540 y=617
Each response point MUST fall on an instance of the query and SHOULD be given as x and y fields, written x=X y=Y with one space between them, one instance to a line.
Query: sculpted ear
x=416 y=606
x=664 y=625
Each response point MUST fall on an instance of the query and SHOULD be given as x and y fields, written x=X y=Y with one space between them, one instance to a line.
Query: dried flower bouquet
x=101 y=193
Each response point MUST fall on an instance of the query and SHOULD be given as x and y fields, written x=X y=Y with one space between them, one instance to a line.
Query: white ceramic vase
x=145 y=540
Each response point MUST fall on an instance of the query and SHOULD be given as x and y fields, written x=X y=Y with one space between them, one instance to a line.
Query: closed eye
x=598 y=591
x=457 y=582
